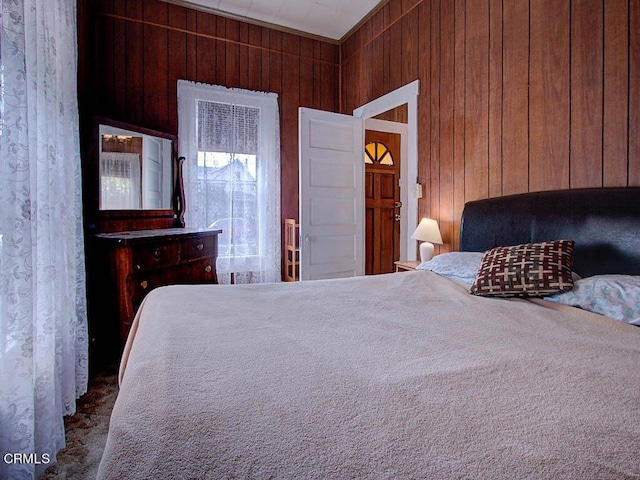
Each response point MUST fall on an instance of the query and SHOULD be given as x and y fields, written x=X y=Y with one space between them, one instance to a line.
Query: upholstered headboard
x=604 y=222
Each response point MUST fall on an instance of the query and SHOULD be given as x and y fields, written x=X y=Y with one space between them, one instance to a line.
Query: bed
x=397 y=376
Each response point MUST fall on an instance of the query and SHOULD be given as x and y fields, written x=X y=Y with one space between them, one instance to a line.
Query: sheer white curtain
x=43 y=327
x=120 y=187
x=231 y=141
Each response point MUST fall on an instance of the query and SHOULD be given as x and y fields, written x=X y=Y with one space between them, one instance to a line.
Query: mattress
x=396 y=376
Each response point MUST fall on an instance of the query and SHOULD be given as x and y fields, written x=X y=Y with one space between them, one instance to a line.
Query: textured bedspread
x=400 y=376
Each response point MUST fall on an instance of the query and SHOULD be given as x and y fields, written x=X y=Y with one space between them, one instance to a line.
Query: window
x=227 y=170
x=230 y=139
x=377 y=153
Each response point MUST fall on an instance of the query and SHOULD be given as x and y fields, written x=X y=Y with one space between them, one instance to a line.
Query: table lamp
x=428 y=233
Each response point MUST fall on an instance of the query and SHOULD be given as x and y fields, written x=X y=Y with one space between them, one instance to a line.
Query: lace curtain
x=120 y=181
x=43 y=326
x=231 y=141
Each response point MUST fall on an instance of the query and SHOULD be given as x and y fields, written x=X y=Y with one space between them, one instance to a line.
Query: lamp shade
x=427 y=231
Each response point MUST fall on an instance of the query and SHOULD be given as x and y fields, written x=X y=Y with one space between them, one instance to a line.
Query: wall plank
x=634 y=93
x=515 y=97
x=395 y=57
x=459 y=119
x=155 y=61
x=220 y=52
x=549 y=107
x=477 y=101
x=306 y=81
x=192 y=61
x=135 y=65
x=586 y=93
x=616 y=94
x=495 y=98
x=409 y=67
x=105 y=79
x=447 y=117
x=205 y=52
x=119 y=63
x=177 y=62
x=232 y=54
x=424 y=106
x=432 y=193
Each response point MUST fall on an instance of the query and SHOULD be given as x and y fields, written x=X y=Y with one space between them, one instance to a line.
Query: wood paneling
x=515 y=95
x=132 y=52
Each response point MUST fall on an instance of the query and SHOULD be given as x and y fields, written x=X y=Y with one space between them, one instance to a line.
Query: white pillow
x=615 y=296
x=460 y=266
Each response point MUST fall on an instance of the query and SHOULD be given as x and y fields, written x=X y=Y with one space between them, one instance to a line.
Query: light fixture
x=428 y=233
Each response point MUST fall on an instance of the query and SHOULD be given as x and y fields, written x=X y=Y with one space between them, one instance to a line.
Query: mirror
x=136 y=168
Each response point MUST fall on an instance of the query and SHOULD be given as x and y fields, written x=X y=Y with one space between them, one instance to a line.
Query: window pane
x=231 y=186
x=376 y=152
x=227 y=174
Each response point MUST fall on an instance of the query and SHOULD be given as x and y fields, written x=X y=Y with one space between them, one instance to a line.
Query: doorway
x=382 y=201
x=410 y=191
x=331 y=183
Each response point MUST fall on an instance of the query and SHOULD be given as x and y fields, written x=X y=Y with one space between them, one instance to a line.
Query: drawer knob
x=144 y=284
x=207 y=269
x=138 y=267
x=157 y=253
x=199 y=246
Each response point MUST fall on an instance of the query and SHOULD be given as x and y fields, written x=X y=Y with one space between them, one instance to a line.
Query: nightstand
x=406 y=265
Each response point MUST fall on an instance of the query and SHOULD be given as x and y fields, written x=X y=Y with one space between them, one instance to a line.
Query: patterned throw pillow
x=529 y=270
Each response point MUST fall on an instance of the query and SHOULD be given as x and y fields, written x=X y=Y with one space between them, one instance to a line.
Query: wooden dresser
x=125 y=266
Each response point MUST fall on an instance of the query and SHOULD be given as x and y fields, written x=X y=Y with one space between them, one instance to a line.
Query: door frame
x=402 y=130
x=409 y=167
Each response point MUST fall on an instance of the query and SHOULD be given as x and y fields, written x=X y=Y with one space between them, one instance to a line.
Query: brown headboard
x=604 y=222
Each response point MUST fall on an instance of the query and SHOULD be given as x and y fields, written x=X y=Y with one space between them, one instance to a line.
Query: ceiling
x=331 y=19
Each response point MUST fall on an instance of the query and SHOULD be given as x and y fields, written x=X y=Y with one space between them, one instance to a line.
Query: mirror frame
x=103 y=221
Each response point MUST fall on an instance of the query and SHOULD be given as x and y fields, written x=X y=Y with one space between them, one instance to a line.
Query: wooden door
x=382 y=201
x=331 y=200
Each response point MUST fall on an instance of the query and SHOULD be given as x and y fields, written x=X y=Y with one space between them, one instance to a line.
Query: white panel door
x=331 y=195
x=152 y=174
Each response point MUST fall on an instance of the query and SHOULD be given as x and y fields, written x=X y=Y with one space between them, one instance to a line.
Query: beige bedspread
x=400 y=376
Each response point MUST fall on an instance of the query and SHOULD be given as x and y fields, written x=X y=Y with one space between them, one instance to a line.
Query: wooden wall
x=515 y=95
x=132 y=52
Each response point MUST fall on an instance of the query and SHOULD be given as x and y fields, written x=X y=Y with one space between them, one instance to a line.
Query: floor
x=86 y=431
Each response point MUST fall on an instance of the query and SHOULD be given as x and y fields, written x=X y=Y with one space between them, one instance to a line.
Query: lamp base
x=426 y=251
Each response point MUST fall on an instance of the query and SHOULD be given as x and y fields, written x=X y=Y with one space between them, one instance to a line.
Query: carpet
x=86 y=431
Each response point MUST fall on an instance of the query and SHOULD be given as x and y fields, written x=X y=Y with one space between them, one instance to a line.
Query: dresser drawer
x=154 y=255
x=197 y=247
x=197 y=271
